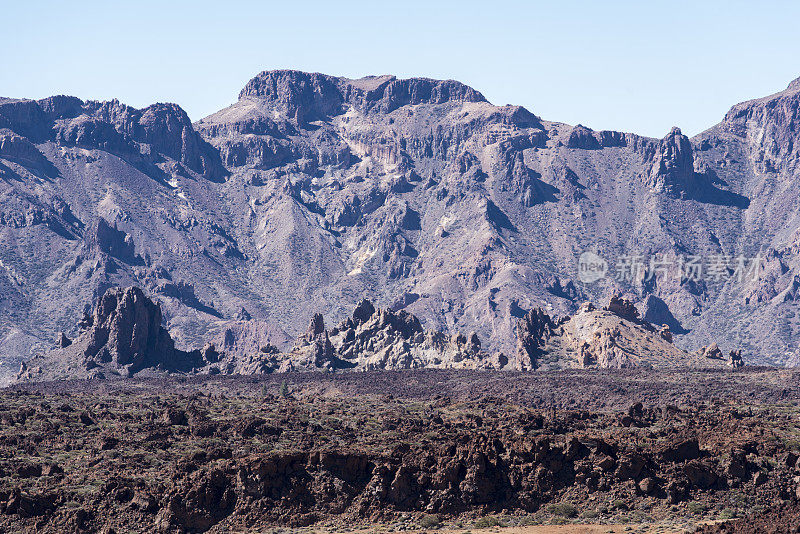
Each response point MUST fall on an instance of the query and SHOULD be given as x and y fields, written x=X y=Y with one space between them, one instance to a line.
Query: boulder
x=647 y=485
x=685 y=450
x=623 y=308
x=700 y=474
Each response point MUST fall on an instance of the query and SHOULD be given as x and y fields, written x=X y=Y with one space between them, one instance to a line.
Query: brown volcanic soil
x=406 y=451
x=783 y=519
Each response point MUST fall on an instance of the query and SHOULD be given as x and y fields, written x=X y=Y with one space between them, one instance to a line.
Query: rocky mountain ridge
x=315 y=192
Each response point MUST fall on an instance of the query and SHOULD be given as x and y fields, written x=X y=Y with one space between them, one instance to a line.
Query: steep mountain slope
x=755 y=151
x=312 y=192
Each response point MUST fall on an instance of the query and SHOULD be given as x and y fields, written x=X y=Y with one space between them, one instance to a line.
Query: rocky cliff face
x=122 y=337
x=672 y=165
x=307 y=97
x=163 y=129
x=312 y=192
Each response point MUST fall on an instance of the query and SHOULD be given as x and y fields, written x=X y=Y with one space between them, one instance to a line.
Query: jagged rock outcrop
x=623 y=308
x=125 y=329
x=314 y=350
x=121 y=337
x=713 y=352
x=612 y=337
x=533 y=332
x=124 y=336
x=582 y=137
x=671 y=163
x=383 y=339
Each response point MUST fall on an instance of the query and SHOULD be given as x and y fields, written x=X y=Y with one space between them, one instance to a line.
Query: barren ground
x=566 y=452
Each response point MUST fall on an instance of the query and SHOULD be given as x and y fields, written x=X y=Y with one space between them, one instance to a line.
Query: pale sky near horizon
x=623 y=65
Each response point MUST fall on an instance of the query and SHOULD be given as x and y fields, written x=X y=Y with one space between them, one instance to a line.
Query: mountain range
x=313 y=192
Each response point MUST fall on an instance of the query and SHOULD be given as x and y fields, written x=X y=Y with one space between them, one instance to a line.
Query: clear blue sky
x=632 y=66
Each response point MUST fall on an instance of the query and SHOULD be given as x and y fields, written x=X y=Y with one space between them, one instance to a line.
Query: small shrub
x=429 y=521
x=284 y=389
x=696 y=507
x=529 y=521
x=488 y=521
x=563 y=509
x=728 y=513
x=619 y=505
x=590 y=514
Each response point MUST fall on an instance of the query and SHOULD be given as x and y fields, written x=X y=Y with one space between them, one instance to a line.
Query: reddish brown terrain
x=394 y=451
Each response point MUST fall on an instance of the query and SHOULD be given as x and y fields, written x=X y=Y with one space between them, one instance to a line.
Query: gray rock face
x=307 y=97
x=312 y=191
x=582 y=137
x=623 y=308
x=20 y=150
x=122 y=336
x=672 y=165
x=614 y=337
x=533 y=332
x=113 y=127
x=384 y=339
x=126 y=330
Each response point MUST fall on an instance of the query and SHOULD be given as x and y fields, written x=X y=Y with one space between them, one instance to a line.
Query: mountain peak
x=113 y=126
x=310 y=96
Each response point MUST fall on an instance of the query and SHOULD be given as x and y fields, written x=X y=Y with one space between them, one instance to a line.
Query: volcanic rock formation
x=124 y=337
x=121 y=337
x=614 y=337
